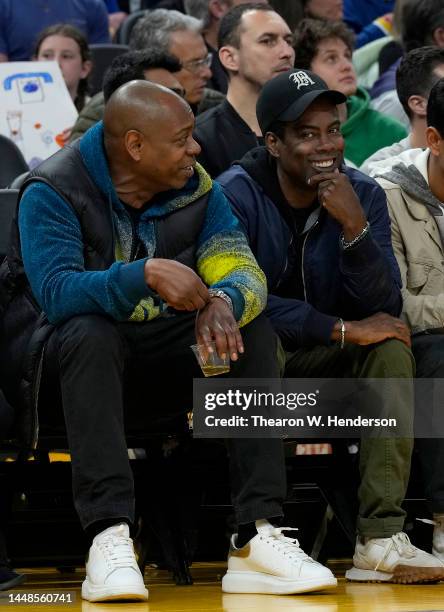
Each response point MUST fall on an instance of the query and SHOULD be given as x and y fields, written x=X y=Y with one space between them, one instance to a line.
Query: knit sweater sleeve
x=52 y=251
x=225 y=261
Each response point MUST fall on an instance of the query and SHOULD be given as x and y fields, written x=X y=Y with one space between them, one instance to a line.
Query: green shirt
x=366 y=130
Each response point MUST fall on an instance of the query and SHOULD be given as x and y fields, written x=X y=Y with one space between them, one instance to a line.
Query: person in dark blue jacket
x=321 y=233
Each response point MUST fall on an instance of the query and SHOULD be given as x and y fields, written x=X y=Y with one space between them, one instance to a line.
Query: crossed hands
x=182 y=289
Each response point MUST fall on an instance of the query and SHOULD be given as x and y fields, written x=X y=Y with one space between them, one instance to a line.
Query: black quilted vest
x=24 y=328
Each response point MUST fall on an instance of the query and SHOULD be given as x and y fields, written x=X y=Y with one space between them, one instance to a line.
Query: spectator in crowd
x=210 y=12
x=323 y=9
x=67 y=46
x=383 y=94
x=294 y=12
x=20 y=23
x=321 y=233
x=421 y=23
x=115 y=15
x=333 y=10
x=418 y=72
x=254 y=46
x=393 y=50
x=360 y=13
x=91 y=219
x=414 y=190
x=326 y=48
x=180 y=35
x=149 y=65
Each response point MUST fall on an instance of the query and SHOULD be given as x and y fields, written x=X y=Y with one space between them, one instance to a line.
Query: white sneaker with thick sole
x=111 y=569
x=438 y=537
x=393 y=559
x=274 y=564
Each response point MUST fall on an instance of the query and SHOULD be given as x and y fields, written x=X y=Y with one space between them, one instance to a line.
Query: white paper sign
x=35 y=107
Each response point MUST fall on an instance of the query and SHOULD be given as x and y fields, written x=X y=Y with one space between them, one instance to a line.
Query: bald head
x=140 y=105
x=148 y=137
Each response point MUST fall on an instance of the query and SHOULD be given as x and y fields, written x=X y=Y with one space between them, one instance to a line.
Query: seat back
x=102 y=56
x=123 y=34
x=18 y=181
x=12 y=161
x=8 y=204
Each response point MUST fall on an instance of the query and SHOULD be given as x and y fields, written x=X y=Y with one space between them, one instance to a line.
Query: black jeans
x=117 y=375
x=428 y=350
x=6 y=417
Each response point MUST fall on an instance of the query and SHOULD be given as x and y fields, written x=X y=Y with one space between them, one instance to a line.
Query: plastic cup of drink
x=210 y=362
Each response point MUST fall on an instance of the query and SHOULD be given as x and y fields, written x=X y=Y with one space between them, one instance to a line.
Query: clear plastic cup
x=210 y=362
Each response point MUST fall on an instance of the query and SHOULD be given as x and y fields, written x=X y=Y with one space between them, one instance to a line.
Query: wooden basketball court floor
x=205 y=595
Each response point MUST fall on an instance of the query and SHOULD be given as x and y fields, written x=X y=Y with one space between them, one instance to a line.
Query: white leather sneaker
x=393 y=559
x=111 y=569
x=438 y=537
x=274 y=564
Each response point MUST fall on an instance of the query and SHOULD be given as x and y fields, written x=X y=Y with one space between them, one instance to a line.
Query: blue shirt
x=359 y=13
x=112 y=6
x=22 y=20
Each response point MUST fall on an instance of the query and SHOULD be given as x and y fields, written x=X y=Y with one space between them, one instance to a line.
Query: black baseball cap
x=288 y=95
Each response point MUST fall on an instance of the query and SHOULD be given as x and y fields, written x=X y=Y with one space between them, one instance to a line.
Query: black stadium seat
x=12 y=161
x=123 y=34
x=102 y=55
x=8 y=203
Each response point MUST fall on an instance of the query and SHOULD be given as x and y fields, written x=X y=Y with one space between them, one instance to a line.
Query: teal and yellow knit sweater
x=52 y=249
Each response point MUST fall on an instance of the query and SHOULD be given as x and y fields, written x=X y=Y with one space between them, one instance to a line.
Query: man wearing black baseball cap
x=321 y=233
x=286 y=97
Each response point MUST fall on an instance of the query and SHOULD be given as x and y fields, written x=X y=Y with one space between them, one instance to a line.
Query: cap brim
x=295 y=110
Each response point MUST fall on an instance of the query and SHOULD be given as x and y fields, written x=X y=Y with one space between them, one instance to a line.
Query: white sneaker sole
x=403 y=574
x=256 y=582
x=110 y=593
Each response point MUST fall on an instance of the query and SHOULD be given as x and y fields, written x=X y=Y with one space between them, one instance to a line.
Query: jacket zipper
x=302 y=265
x=286 y=261
x=315 y=224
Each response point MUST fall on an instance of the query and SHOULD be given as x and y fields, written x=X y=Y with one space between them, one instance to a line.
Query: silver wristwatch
x=221 y=294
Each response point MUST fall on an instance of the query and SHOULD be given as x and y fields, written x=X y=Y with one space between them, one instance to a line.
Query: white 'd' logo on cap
x=301 y=79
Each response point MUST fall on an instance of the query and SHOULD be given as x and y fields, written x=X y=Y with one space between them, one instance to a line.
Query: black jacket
x=219 y=79
x=224 y=137
x=351 y=284
x=25 y=329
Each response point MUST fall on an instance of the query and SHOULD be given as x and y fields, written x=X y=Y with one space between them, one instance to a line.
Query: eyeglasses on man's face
x=198 y=64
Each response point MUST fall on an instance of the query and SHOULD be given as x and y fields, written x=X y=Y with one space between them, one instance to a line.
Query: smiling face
x=310 y=145
x=166 y=153
x=333 y=63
